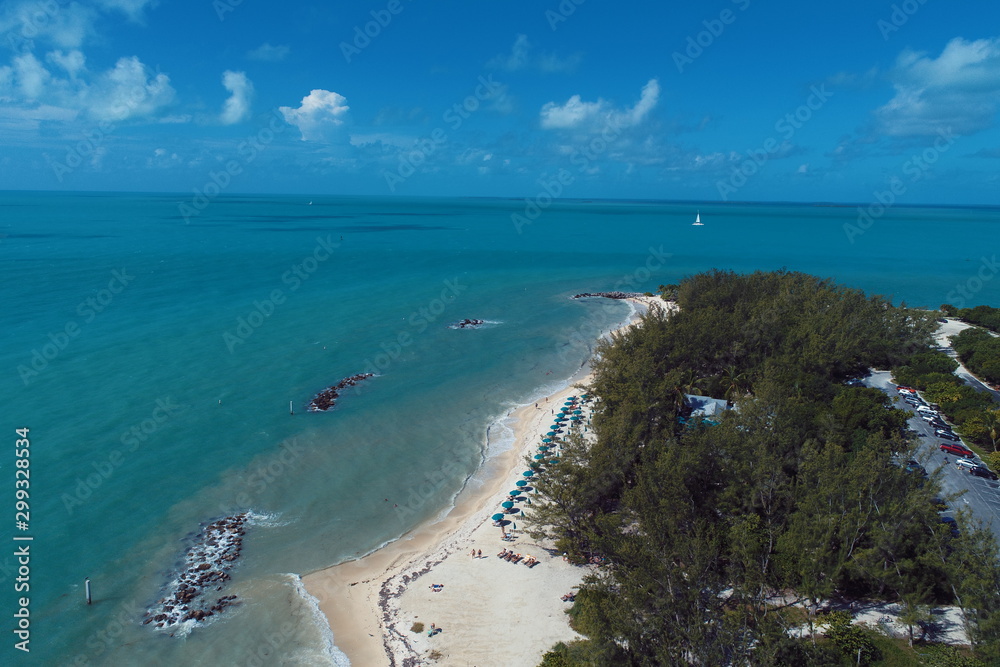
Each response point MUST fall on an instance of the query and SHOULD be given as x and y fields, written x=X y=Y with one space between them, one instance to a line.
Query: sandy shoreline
x=489 y=611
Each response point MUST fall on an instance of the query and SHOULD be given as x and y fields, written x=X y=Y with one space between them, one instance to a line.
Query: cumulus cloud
x=66 y=26
x=267 y=53
x=73 y=62
x=30 y=77
x=959 y=89
x=319 y=112
x=129 y=90
x=237 y=107
x=578 y=113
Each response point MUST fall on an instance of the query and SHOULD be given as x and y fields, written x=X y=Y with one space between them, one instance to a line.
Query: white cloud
x=959 y=89
x=131 y=8
x=237 y=107
x=73 y=62
x=130 y=90
x=30 y=77
x=520 y=58
x=516 y=59
x=320 y=111
x=267 y=53
x=65 y=26
x=577 y=113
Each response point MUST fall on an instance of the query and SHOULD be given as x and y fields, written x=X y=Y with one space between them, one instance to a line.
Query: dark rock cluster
x=611 y=295
x=328 y=397
x=205 y=567
x=467 y=324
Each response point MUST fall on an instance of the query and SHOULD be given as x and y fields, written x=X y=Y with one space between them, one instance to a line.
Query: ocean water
x=153 y=359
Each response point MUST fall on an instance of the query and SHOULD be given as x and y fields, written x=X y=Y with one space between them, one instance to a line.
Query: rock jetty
x=328 y=397
x=467 y=324
x=205 y=570
x=611 y=295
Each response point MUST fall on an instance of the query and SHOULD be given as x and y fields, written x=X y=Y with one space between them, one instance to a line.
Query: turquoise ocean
x=153 y=358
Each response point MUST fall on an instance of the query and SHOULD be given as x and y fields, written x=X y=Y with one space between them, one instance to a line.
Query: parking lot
x=982 y=496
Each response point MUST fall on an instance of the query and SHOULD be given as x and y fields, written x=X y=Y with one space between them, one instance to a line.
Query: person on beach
x=473 y=553
x=479 y=553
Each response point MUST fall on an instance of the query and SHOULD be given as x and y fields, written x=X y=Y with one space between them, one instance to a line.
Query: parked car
x=928 y=417
x=946 y=434
x=952 y=525
x=982 y=471
x=924 y=408
x=958 y=450
x=904 y=389
x=966 y=464
x=914 y=467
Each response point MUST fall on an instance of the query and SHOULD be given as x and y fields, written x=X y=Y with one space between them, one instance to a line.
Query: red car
x=958 y=450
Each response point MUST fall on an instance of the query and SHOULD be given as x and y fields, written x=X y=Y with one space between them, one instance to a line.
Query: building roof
x=703 y=406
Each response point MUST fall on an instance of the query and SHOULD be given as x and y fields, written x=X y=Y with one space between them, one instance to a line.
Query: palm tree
x=735 y=382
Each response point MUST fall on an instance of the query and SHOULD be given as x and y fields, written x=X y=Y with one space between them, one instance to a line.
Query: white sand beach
x=488 y=611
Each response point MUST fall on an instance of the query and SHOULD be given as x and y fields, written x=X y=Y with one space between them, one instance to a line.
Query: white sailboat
x=697 y=221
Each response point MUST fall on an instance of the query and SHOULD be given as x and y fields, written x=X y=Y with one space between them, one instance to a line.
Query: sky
x=724 y=100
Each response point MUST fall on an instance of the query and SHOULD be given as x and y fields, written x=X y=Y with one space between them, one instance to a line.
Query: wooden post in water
x=290 y=411
x=86 y=584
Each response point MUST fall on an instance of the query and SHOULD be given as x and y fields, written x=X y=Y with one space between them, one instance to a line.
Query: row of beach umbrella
x=569 y=412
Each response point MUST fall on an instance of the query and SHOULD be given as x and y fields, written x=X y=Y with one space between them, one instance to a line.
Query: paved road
x=950 y=329
x=982 y=496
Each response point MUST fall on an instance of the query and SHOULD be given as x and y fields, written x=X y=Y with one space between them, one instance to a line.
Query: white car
x=924 y=408
x=966 y=464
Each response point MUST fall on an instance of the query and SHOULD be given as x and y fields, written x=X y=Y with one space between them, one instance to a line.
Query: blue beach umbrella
x=543 y=448
x=515 y=492
x=546 y=439
x=539 y=457
x=578 y=412
x=520 y=482
x=551 y=433
x=497 y=516
x=528 y=473
x=507 y=504
x=554 y=461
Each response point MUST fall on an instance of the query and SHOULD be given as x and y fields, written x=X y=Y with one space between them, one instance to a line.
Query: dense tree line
x=932 y=372
x=980 y=352
x=798 y=492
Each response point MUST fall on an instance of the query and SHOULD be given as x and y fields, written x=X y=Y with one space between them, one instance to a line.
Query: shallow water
x=154 y=362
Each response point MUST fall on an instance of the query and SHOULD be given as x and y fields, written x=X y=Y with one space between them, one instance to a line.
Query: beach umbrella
x=497 y=516
x=527 y=473
x=546 y=439
x=568 y=403
x=551 y=433
x=515 y=492
x=543 y=448
x=520 y=482
x=539 y=457
x=507 y=504
x=554 y=461
x=578 y=412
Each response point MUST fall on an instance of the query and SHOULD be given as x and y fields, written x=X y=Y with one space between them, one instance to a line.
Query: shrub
x=417 y=627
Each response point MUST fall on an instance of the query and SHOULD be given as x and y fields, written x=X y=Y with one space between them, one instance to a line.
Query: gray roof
x=703 y=406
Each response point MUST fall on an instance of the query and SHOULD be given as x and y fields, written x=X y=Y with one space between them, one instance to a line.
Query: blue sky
x=729 y=100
